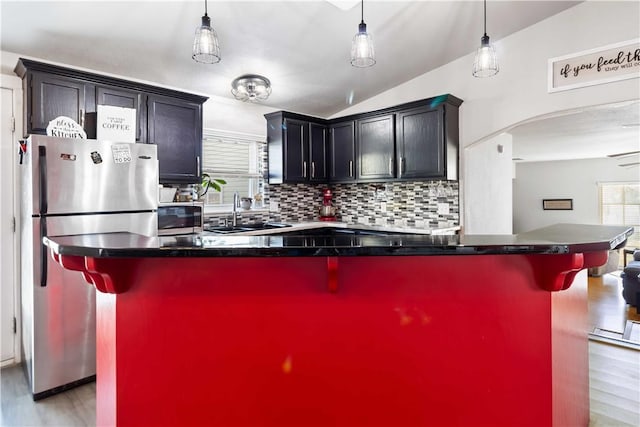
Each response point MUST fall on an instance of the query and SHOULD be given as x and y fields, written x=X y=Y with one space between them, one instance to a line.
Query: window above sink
x=238 y=159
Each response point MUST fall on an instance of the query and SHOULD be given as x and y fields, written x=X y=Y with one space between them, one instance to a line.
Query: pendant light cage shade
x=362 y=53
x=206 y=48
x=251 y=87
x=486 y=61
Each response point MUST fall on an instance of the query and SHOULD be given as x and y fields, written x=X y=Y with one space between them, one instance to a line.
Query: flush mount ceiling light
x=362 y=54
x=251 y=87
x=205 y=44
x=486 y=62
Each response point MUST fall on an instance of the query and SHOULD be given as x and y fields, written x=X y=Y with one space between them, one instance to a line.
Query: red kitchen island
x=399 y=330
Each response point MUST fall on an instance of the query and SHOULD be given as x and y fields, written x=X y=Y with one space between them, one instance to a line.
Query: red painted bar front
x=348 y=341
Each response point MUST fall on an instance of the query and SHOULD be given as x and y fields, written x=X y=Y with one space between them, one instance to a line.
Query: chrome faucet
x=236 y=205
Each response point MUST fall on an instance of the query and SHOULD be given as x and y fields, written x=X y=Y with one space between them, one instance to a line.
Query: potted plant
x=208 y=182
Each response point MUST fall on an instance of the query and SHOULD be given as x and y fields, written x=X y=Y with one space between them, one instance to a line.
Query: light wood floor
x=607 y=308
x=614 y=374
x=75 y=407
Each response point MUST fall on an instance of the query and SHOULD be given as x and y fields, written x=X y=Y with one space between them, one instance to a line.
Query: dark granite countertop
x=555 y=239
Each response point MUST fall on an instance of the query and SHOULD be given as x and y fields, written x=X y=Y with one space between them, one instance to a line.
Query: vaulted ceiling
x=303 y=47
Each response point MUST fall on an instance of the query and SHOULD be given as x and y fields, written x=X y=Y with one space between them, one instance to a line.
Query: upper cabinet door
x=376 y=151
x=125 y=98
x=343 y=152
x=54 y=96
x=319 y=150
x=420 y=145
x=296 y=150
x=175 y=126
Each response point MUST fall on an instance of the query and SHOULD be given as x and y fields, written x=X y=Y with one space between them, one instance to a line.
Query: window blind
x=236 y=158
x=230 y=154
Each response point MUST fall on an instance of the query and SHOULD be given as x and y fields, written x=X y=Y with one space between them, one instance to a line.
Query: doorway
x=9 y=242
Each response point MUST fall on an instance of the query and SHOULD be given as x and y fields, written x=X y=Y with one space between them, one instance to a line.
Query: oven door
x=180 y=218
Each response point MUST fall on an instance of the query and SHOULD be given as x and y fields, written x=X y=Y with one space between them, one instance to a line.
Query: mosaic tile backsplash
x=415 y=204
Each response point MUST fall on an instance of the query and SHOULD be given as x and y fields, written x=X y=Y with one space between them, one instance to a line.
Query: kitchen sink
x=245 y=227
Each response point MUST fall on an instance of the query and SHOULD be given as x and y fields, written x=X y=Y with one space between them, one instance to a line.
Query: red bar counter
x=389 y=331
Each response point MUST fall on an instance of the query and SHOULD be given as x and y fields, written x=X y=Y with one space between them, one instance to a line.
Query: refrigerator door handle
x=43 y=252
x=42 y=178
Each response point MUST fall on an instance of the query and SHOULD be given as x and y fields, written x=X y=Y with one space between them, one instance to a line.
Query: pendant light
x=486 y=62
x=205 y=44
x=362 y=54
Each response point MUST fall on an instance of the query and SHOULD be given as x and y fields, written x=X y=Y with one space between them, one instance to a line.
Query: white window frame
x=254 y=169
x=601 y=186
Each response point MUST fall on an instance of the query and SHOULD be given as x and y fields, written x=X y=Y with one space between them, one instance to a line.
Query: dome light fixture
x=362 y=54
x=206 y=48
x=251 y=87
x=486 y=62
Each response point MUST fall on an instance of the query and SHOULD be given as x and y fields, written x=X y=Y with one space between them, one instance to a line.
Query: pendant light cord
x=205 y=10
x=485 y=18
x=362 y=11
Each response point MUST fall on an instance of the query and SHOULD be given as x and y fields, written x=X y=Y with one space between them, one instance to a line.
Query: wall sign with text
x=605 y=64
x=116 y=124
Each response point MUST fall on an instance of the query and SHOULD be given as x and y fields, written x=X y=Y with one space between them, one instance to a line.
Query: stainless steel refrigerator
x=72 y=186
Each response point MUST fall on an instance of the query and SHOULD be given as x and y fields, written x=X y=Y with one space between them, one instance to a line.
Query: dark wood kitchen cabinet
x=427 y=143
x=343 y=152
x=375 y=147
x=53 y=96
x=413 y=141
x=296 y=150
x=319 y=152
x=175 y=126
x=170 y=119
x=297 y=147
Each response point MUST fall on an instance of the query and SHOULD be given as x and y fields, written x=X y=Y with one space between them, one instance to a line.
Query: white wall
x=218 y=113
x=567 y=179
x=488 y=187
x=519 y=91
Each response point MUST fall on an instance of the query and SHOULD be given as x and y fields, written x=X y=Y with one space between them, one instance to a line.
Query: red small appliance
x=327 y=211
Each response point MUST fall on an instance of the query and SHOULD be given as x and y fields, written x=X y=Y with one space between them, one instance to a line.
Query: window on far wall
x=236 y=158
x=620 y=205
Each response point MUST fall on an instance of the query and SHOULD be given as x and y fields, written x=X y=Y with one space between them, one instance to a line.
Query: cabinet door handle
x=82 y=118
x=401 y=167
x=197 y=165
x=304 y=169
x=351 y=168
x=313 y=169
x=390 y=166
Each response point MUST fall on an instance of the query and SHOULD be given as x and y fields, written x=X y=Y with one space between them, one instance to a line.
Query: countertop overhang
x=555 y=239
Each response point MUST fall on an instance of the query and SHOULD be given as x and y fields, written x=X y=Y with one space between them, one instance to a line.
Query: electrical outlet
x=383 y=206
x=274 y=207
x=443 y=208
